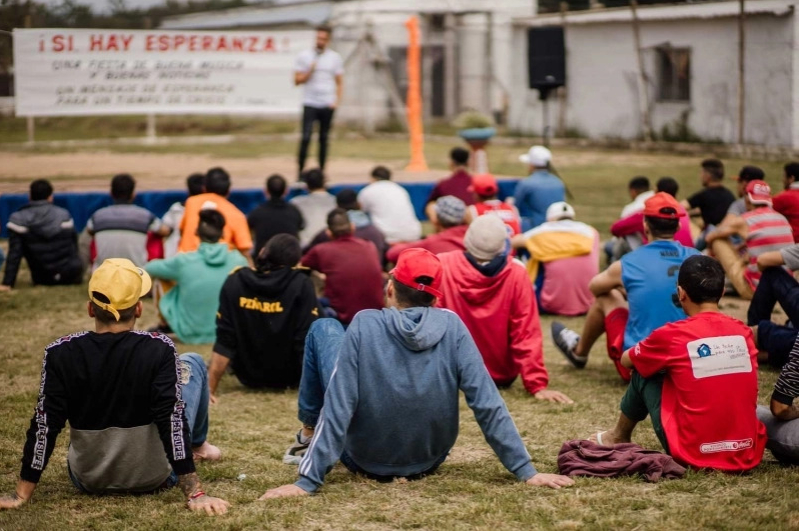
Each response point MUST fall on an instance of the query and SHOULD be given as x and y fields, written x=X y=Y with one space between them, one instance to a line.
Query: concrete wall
x=603 y=91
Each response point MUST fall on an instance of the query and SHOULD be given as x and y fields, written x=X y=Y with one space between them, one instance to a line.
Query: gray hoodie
x=392 y=400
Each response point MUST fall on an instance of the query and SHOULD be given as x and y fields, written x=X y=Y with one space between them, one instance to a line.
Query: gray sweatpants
x=783 y=436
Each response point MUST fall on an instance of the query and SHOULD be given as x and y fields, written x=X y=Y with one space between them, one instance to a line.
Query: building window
x=673 y=74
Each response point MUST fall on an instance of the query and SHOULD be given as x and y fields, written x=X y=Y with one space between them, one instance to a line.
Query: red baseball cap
x=663 y=205
x=484 y=184
x=417 y=262
x=759 y=192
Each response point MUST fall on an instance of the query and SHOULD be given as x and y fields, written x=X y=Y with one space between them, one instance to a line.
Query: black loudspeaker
x=546 y=56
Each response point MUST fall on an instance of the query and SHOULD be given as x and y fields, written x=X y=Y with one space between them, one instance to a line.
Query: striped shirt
x=787 y=386
x=120 y=231
x=767 y=231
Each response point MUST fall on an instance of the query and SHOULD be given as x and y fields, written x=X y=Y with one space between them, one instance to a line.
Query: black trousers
x=323 y=115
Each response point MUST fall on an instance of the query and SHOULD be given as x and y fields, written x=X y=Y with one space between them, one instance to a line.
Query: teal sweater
x=190 y=307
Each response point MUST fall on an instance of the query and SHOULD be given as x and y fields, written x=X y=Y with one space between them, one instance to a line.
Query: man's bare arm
x=215 y=371
x=784 y=411
x=607 y=280
x=770 y=259
x=339 y=89
x=733 y=226
x=303 y=77
x=197 y=499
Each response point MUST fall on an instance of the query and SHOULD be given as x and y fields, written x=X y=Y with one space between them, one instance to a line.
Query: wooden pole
x=741 y=85
x=562 y=91
x=646 y=118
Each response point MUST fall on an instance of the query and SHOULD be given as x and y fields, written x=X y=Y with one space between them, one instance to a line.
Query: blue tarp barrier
x=83 y=204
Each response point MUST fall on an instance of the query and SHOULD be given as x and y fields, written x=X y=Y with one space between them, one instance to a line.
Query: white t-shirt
x=320 y=89
x=389 y=206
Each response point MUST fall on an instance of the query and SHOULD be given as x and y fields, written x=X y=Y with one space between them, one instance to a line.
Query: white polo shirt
x=320 y=89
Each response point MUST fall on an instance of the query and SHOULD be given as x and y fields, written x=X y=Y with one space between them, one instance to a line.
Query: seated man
x=781 y=417
x=350 y=269
x=137 y=412
x=390 y=207
x=619 y=245
x=760 y=227
x=396 y=414
x=534 y=194
x=276 y=216
x=44 y=235
x=314 y=206
x=120 y=230
x=458 y=184
x=450 y=229
x=217 y=189
x=564 y=257
x=486 y=188
x=633 y=295
x=745 y=176
x=713 y=201
x=348 y=200
x=493 y=296
x=776 y=285
x=264 y=316
x=787 y=201
x=697 y=380
x=189 y=308
x=634 y=223
x=195 y=184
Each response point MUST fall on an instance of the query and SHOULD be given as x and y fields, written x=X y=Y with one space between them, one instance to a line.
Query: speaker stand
x=543 y=95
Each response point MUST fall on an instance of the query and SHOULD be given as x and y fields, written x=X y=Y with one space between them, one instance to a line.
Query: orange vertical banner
x=414 y=97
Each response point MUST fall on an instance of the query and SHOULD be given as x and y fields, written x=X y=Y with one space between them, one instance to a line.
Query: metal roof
x=311 y=12
x=704 y=10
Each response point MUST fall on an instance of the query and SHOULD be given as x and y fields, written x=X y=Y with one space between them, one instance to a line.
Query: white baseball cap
x=560 y=210
x=538 y=156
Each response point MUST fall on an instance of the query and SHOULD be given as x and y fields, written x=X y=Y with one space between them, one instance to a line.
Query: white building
x=467 y=62
x=690 y=55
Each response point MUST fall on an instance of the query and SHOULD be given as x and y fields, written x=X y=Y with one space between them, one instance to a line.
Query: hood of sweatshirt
x=473 y=284
x=271 y=283
x=417 y=328
x=213 y=254
x=42 y=218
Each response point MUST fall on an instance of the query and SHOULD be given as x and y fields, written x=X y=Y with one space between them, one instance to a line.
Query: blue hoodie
x=392 y=400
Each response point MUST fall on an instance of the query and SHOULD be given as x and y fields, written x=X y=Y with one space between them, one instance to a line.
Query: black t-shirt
x=276 y=216
x=262 y=322
x=713 y=202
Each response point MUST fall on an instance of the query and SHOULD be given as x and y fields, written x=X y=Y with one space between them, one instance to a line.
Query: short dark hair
x=792 y=169
x=347 y=199
x=668 y=185
x=40 y=190
x=282 y=250
x=411 y=297
x=217 y=181
x=211 y=225
x=314 y=178
x=381 y=173
x=662 y=227
x=106 y=317
x=195 y=183
x=751 y=173
x=326 y=28
x=338 y=223
x=702 y=278
x=639 y=183
x=276 y=186
x=714 y=167
x=122 y=187
x=459 y=156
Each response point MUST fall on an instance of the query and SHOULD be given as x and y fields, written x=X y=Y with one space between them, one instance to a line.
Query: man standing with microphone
x=321 y=71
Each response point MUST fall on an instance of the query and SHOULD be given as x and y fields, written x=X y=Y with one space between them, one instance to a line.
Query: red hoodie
x=501 y=314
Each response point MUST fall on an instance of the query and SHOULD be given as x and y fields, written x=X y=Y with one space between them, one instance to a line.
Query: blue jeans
x=195 y=393
x=777 y=340
x=322 y=346
x=776 y=285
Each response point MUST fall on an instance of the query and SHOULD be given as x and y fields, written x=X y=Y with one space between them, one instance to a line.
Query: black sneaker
x=566 y=340
x=296 y=451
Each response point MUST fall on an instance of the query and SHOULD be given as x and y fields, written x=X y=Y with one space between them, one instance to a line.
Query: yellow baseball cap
x=121 y=282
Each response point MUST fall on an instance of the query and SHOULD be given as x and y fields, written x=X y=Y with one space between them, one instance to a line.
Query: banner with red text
x=65 y=72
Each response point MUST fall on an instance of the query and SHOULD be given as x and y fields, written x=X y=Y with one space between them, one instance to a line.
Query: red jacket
x=501 y=314
x=450 y=239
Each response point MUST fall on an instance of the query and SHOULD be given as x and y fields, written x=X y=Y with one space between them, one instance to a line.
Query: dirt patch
x=155 y=171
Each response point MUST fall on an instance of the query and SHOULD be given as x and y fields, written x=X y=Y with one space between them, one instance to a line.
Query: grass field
x=472 y=489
